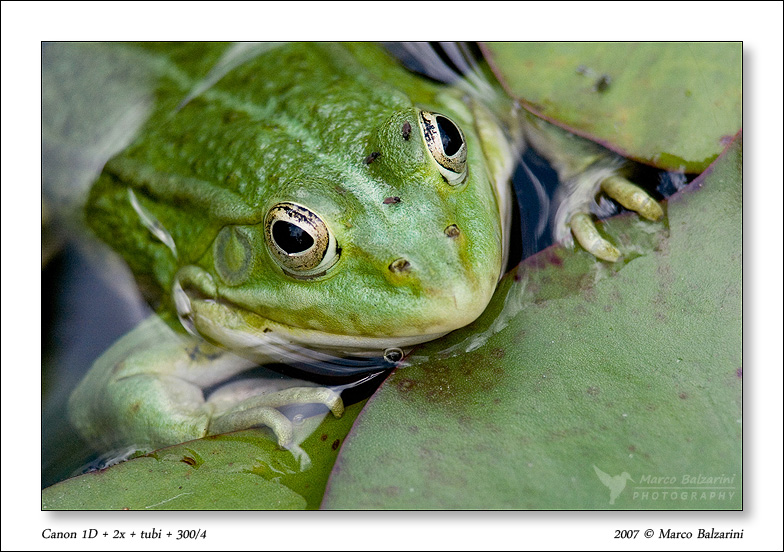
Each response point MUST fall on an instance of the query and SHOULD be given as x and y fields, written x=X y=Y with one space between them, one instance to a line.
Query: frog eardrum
x=446 y=145
x=299 y=241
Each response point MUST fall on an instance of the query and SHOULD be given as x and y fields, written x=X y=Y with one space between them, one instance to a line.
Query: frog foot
x=585 y=169
x=263 y=410
x=627 y=194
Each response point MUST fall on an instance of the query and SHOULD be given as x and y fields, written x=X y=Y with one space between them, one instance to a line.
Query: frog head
x=399 y=245
x=338 y=214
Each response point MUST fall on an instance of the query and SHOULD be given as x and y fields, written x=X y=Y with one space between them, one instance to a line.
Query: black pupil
x=450 y=136
x=290 y=237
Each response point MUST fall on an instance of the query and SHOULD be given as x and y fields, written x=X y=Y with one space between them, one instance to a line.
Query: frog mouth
x=230 y=317
x=263 y=340
x=205 y=312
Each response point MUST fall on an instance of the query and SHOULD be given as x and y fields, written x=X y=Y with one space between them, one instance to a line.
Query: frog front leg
x=584 y=170
x=251 y=402
x=147 y=391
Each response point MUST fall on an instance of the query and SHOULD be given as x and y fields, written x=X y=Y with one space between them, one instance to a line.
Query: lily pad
x=245 y=470
x=609 y=388
x=693 y=94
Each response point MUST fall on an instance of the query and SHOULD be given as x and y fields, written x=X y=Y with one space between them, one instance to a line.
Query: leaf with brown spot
x=524 y=429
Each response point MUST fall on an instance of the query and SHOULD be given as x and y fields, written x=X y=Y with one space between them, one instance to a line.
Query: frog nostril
x=452 y=231
x=400 y=265
x=406 y=130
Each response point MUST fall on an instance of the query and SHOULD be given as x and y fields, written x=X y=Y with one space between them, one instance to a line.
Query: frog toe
x=632 y=197
x=587 y=235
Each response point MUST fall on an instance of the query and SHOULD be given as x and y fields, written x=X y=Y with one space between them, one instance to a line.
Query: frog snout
x=437 y=270
x=444 y=295
x=402 y=265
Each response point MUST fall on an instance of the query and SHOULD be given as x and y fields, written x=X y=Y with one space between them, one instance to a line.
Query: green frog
x=305 y=201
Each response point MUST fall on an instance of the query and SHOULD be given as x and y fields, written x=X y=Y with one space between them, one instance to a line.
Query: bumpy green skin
x=296 y=124
x=185 y=205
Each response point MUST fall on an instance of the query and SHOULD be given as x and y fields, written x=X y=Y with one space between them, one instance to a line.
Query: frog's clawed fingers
x=627 y=194
x=262 y=410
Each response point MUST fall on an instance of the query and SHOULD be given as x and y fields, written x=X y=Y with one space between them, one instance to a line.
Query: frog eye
x=299 y=240
x=446 y=145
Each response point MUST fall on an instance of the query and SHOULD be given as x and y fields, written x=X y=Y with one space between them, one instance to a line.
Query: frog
x=306 y=201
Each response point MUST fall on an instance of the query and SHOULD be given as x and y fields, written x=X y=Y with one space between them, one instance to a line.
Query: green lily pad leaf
x=245 y=470
x=585 y=386
x=692 y=91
